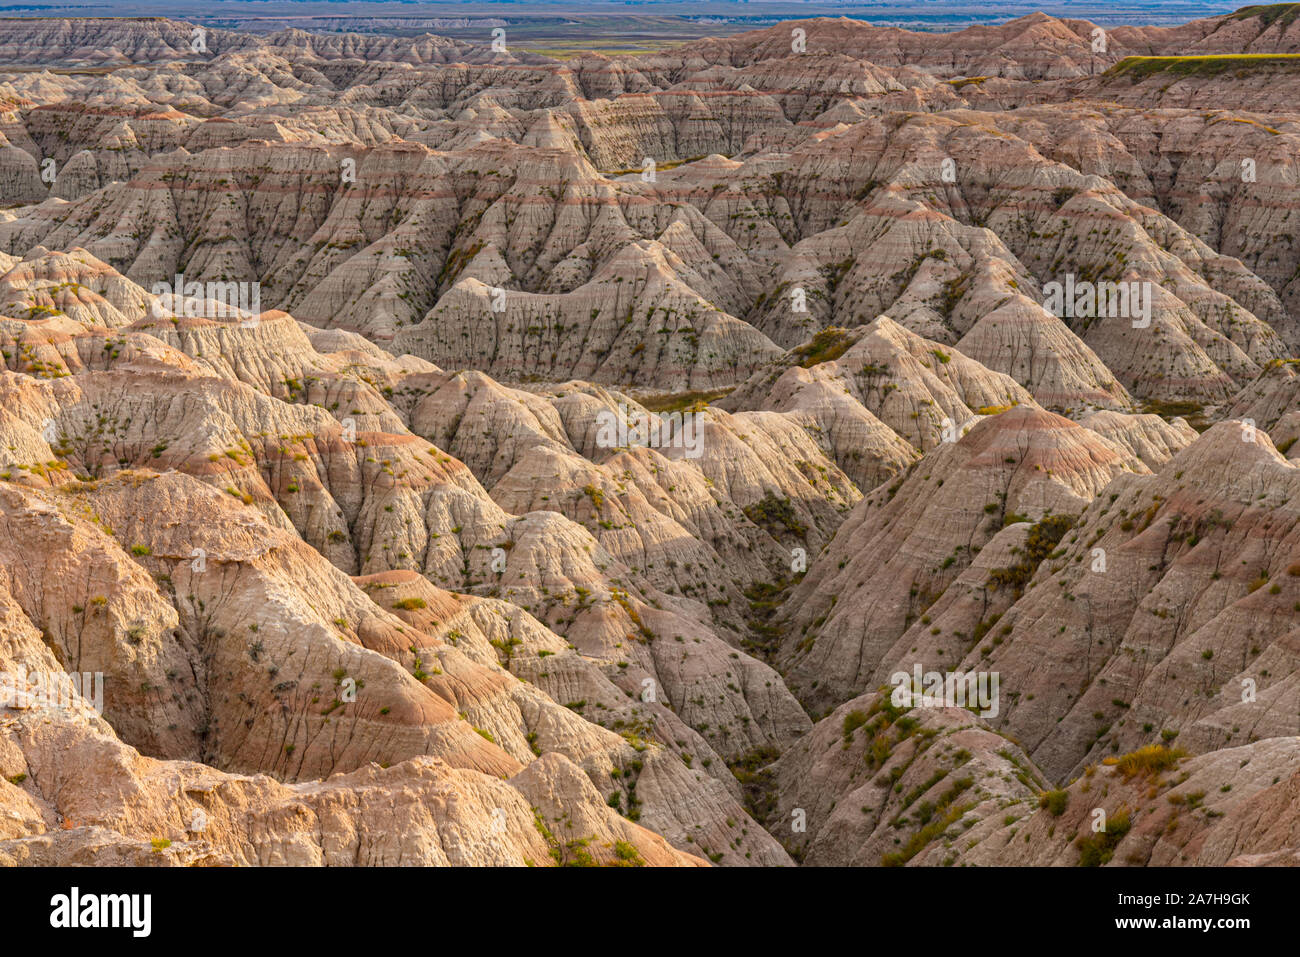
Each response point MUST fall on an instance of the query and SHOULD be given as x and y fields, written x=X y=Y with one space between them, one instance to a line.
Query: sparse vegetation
x=827 y=345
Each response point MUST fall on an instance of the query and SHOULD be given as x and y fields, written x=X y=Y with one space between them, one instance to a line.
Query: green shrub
x=1054 y=802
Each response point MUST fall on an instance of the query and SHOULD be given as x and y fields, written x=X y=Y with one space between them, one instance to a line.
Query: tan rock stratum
x=418 y=453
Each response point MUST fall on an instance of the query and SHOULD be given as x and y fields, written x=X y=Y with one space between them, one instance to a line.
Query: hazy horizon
x=335 y=17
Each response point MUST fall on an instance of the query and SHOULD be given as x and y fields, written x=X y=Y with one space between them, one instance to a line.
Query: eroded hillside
x=437 y=453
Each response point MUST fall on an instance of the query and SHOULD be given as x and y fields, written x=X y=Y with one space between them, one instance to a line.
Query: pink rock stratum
x=827 y=444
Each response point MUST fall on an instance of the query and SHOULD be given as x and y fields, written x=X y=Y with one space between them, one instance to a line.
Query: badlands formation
x=387 y=569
